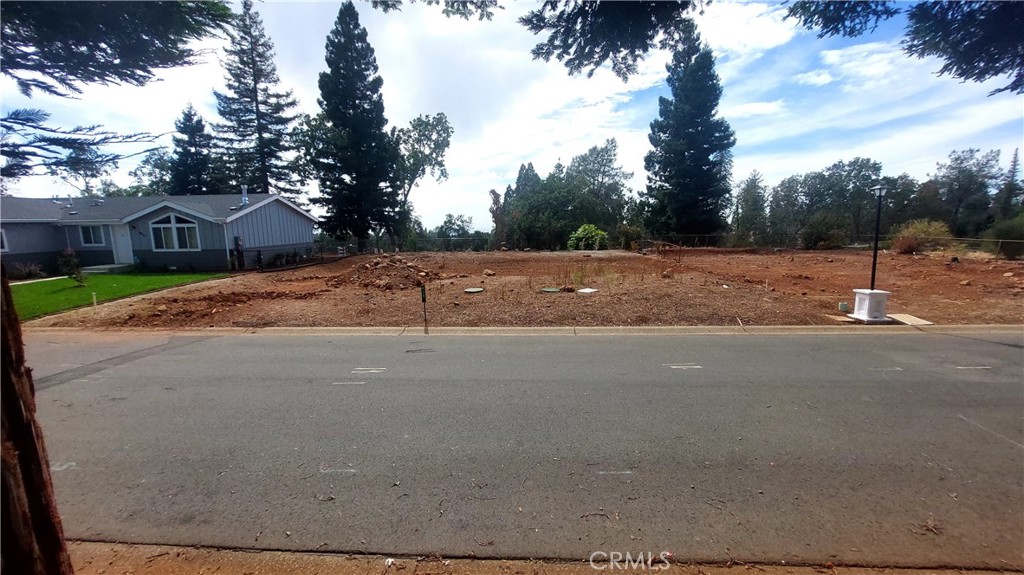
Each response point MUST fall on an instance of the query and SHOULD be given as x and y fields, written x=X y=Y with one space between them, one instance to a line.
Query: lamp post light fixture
x=879 y=192
x=869 y=306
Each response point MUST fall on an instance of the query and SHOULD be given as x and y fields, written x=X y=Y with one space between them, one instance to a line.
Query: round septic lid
x=586 y=290
x=550 y=290
x=473 y=290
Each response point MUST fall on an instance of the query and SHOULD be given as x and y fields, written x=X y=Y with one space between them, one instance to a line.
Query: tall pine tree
x=257 y=127
x=346 y=145
x=190 y=168
x=1007 y=200
x=750 y=219
x=690 y=166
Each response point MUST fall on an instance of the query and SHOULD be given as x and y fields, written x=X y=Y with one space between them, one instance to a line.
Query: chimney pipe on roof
x=245 y=195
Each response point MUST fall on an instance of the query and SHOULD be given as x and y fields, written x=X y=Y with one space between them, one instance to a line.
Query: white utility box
x=869 y=306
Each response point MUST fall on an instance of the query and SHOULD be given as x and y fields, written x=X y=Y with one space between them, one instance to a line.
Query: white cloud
x=814 y=78
x=880 y=88
x=740 y=33
x=751 y=109
x=866 y=67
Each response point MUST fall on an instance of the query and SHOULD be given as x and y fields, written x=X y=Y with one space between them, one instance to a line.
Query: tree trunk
x=32 y=538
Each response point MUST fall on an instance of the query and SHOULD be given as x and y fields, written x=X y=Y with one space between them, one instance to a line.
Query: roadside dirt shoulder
x=90 y=558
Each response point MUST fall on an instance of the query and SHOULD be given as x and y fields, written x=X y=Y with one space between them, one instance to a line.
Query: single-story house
x=199 y=233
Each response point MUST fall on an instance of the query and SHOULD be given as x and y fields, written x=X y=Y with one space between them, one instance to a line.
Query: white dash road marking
x=63 y=466
x=615 y=473
x=974 y=367
x=348 y=383
x=682 y=365
x=369 y=370
x=980 y=426
x=885 y=369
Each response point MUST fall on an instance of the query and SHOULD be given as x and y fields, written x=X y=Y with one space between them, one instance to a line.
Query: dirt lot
x=688 y=287
x=120 y=559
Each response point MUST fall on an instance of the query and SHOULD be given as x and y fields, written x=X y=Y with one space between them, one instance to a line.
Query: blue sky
x=796 y=103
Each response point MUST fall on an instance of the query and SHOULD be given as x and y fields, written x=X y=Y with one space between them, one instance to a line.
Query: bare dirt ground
x=707 y=287
x=119 y=559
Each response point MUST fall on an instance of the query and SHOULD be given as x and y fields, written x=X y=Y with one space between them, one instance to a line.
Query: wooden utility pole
x=31 y=535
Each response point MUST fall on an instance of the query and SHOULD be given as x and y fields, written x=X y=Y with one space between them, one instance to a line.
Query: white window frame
x=81 y=236
x=4 y=246
x=177 y=223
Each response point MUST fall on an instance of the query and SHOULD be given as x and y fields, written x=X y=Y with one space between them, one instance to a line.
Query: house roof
x=28 y=210
x=118 y=210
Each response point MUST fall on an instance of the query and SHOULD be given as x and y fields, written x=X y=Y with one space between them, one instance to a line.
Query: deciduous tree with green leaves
x=153 y=173
x=423 y=145
x=786 y=214
x=965 y=182
x=542 y=214
x=597 y=174
x=500 y=232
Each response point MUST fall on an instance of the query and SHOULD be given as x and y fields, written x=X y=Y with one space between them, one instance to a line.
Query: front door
x=121 y=239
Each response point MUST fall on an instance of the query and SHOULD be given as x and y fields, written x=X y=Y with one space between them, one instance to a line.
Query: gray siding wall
x=32 y=238
x=273 y=225
x=211 y=257
x=90 y=255
x=33 y=244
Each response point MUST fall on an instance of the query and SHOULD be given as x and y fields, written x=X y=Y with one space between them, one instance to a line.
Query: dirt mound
x=388 y=272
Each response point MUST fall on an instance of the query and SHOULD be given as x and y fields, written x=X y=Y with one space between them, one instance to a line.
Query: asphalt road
x=895 y=449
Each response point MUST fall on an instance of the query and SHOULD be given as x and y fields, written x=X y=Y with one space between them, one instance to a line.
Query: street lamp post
x=869 y=304
x=879 y=192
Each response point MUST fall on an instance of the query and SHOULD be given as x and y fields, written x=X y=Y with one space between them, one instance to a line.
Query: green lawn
x=41 y=298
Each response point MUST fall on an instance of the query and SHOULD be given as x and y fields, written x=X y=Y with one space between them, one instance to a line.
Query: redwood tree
x=31 y=535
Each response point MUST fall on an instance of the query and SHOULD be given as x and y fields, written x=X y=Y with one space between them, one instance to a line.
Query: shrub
x=918 y=235
x=588 y=236
x=822 y=233
x=68 y=264
x=26 y=271
x=1009 y=230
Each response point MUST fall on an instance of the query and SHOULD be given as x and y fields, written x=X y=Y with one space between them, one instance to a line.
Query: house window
x=174 y=233
x=91 y=235
x=3 y=241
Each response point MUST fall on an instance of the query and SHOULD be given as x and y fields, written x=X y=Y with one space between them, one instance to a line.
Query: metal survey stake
x=423 y=296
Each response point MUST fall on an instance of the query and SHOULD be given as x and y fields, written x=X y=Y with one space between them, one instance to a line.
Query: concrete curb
x=556 y=331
